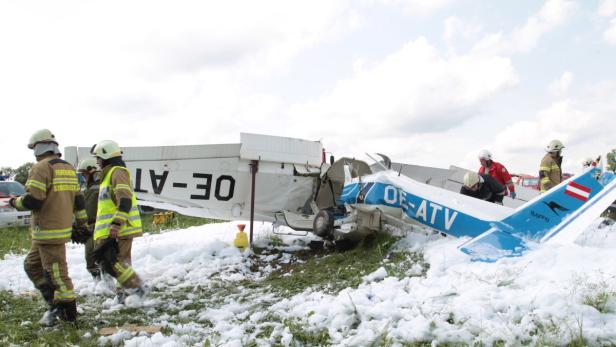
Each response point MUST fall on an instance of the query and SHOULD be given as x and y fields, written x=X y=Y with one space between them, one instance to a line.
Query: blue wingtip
x=493 y=245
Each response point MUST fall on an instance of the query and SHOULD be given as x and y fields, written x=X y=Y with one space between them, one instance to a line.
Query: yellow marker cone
x=241 y=239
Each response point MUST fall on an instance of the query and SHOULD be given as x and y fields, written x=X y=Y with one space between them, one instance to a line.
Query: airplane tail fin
x=544 y=217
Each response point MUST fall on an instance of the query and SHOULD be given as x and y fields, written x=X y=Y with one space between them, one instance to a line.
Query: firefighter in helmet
x=53 y=196
x=483 y=187
x=117 y=220
x=550 y=172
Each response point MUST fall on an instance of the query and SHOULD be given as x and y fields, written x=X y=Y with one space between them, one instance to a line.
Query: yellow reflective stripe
x=125 y=275
x=123 y=216
x=544 y=168
x=61 y=292
x=64 y=182
x=19 y=203
x=81 y=214
x=545 y=180
x=51 y=234
x=122 y=186
x=37 y=185
x=64 y=296
x=65 y=179
x=63 y=188
x=56 y=272
x=104 y=216
x=130 y=231
x=64 y=172
x=101 y=226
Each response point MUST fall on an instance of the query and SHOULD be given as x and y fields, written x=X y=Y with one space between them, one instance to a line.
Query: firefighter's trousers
x=124 y=274
x=46 y=267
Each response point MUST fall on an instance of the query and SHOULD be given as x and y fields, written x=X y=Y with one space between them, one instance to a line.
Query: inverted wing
x=565 y=210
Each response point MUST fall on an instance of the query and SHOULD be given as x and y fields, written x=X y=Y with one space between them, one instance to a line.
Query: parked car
x=531 y=181
x=524 y=180
x=8 y=215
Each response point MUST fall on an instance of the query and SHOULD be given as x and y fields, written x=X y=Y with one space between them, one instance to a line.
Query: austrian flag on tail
x=577 y=191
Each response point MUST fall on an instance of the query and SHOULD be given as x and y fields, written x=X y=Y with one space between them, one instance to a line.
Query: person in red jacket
x=496 y=170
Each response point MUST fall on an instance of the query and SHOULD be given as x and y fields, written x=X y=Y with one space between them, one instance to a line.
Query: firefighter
x=89 y=170
x=550 y=173
x=497 y=171
x=611 y=160
x=53 y=196
x=610 y=213
x=117 y=220
x=484 y=187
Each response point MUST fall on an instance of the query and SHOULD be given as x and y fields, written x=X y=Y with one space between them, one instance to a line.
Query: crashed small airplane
x=495 y=231
x=288 y=182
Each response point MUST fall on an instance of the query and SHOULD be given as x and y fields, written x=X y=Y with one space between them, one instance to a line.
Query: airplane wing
x=496 y=231
x=215 y=181
x=560 y=215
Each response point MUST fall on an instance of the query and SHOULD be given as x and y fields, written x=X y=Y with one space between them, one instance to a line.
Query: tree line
x=20 y=174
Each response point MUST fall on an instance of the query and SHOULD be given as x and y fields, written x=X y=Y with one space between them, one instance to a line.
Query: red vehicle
x=530 y=181
x=524 y=180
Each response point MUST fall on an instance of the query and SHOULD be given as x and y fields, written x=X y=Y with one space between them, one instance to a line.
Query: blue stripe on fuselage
x=424 y=211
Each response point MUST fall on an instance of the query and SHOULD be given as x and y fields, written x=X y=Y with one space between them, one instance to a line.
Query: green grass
x=14 y=240
x=179 y=222
x=17 y=239
x=19 y=325
x=332 y=272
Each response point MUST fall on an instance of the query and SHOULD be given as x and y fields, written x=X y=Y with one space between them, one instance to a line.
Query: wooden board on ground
x=133 y=328
x=29 y=294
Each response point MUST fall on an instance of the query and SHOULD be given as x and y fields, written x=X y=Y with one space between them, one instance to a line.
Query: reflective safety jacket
x=115 y=185
x=550 y=174
x=53 y=196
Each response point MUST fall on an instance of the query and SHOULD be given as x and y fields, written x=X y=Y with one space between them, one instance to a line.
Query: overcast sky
x=429 y=82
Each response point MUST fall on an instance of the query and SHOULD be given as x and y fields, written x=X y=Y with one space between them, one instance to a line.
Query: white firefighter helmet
x=41 y=136
x=470 y=179
x=554 y=146
x=485 y=154
x=86 y=164
x=106 y=149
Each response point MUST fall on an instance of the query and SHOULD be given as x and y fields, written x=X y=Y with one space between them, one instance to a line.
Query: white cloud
x=412 y=91
x=585 y=125
x=609 y=35
x=149 y=64
x=607 y=8
x=552 y=14
x=561 y=85
x=418 y=7
x=458 y=28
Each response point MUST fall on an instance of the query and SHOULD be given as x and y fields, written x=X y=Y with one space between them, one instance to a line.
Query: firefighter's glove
x=13 y=203
x=512 y=195
x=114 y=229
x=106 y=255
x=80 y=234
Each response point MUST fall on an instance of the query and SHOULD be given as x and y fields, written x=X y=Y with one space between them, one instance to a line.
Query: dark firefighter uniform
x=117 y=205
x=550 y=173
x=90 y=194
x=490 y=190
x=53 y=196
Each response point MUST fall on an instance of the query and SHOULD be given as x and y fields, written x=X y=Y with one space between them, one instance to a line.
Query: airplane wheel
x=323 y=223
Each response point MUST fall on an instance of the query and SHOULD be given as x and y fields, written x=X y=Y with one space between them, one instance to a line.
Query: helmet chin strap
x=44 y=147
